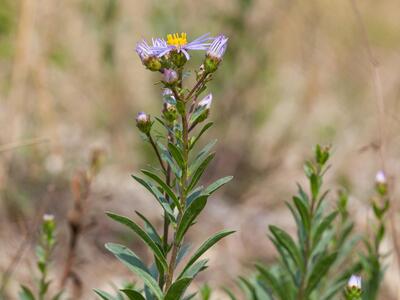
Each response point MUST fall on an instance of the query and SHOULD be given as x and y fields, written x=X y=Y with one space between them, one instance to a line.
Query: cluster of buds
x=168 y=56
x=353 y=289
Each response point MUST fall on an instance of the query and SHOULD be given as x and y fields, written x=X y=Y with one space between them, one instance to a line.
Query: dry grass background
x=296 y=73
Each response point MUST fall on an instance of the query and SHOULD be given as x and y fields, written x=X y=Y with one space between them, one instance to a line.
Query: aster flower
x=218 y=47
x=178 y=42
x=148 y=55
x=215 y=53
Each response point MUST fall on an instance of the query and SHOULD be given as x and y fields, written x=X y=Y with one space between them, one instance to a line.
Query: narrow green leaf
x=176 y=154
x=205 y=246
x=190 y=214
x=104 y=295
x=163 y=185
x=202 y=131
x=200 y=170
x=133 y=262
x=322 y=227
x=177 y=289
x=143 y=235
x=151 y=231
x=158 y=195
x=319 y=271
x=229 y=293
x=287 y=242
x=303 y=212
x=166 y=156
x=272 y=282
x=26 y=294
x=217 y=184
x=195 y=268
x=132 y=294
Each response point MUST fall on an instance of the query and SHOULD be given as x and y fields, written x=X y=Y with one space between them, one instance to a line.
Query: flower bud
x=48 y=218
x=203 y=107
x=169 y=111
x=353 y=290
x=178 y=58
x=170 y=76
x=143 y=122
x=381 y=183
x=215 y=53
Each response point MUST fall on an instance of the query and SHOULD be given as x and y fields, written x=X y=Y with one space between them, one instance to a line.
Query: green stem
x=182 y=190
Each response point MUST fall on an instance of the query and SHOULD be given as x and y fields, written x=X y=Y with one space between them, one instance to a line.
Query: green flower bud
x=143 y=122
x=211 y=64
x=204 y=108
x=170 y=112
x=152 y=63
x=178 y=58
x=353 y=289
x=381 y=183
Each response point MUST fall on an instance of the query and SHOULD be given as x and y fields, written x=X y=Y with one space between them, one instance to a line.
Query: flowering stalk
x=176 y=186
x=44 y=250
x=371 y=262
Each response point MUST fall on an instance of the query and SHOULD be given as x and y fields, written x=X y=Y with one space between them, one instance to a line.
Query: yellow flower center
x=176 y=39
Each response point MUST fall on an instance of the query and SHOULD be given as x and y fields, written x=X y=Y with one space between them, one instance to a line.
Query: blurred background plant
x=297 y=73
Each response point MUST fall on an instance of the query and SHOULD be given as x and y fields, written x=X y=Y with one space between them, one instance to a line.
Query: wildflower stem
x=182 y=191
x=195 y=88
x=153 y=144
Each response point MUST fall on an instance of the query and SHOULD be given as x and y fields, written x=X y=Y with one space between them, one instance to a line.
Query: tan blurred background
x=296 y=73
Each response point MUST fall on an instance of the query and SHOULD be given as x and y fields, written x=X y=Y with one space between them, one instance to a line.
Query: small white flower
x=48 y=218
x=354 y=282
x=206 y=101
x=380 y=177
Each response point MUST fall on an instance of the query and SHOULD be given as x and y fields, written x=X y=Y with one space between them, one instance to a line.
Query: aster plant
x=175 y=183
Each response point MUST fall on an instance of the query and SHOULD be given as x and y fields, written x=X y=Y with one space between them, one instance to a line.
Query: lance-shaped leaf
x=164 y=186
x=143 y=235
x=190 y=214
x=201 y=156
x=196 y=268
x=202 y=131
x=176 y=154
x=205 y=246
x=133 y=262
x=177 y=289
x=286 y=241
x=319 y=270
x=151 y=231
x=158 y=195
x=133 y=295
x=103 y=295
x=26 y=294
x=272 y=282
x=200 y=170
x=217 y=184
x=166 y=156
